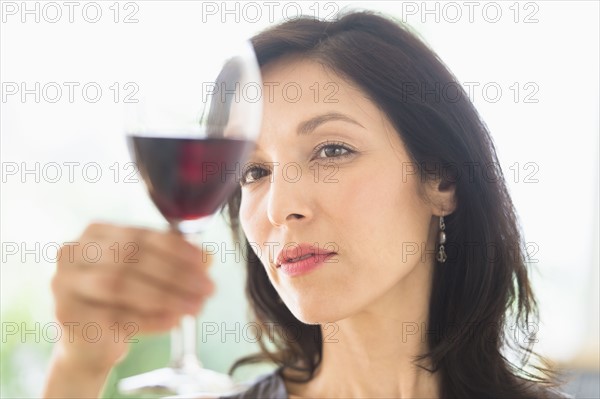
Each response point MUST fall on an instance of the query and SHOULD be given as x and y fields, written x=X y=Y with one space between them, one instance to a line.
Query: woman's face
x=332 y=172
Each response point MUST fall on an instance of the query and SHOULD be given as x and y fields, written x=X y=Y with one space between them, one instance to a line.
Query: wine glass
x=190 y=134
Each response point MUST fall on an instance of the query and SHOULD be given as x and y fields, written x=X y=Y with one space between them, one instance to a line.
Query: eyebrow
x=311 y=124
x=308 y=126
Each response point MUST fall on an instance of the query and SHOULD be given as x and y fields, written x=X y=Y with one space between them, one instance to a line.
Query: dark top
x=271 y=386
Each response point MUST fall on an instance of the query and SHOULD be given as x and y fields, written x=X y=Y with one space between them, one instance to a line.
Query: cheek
x=254 y=222
x=248 y=211
x=358 y=195
x=380 y=215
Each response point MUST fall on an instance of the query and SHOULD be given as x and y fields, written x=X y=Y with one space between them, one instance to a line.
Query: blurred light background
x=532 y=71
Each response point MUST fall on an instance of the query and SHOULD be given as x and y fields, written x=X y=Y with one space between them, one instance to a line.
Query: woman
x=389 y=255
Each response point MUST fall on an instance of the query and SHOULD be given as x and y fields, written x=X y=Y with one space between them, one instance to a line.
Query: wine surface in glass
x=189 y=178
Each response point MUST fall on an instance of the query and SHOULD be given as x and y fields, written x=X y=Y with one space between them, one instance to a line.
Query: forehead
x=296 y=89
x=295 y=68
x=294 y=80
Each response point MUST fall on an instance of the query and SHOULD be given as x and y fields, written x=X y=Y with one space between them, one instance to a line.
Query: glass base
x=168 y=381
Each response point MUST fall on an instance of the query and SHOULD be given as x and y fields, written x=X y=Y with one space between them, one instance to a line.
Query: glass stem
x=183 y=344
x=183 y=337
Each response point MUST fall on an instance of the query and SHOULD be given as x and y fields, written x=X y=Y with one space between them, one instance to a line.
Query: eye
x=252 y=174
x=333 y=150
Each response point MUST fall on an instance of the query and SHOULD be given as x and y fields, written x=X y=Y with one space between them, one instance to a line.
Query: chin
x=318 y=312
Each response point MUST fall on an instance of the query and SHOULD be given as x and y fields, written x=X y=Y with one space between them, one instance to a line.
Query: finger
x=120 y=289
x=166 y=258
x=172 y=276
x=169 y=244
x=78 y=313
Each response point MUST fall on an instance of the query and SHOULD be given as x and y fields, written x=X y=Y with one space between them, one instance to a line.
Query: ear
x=442 y=195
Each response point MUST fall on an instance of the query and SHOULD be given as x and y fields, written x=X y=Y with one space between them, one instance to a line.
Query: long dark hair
x=482 y=290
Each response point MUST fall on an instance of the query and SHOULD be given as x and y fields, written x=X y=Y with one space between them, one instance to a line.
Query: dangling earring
x=441 y=255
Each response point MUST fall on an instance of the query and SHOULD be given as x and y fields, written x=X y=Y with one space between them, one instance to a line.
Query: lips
x=305 y=265
x=300 y=259
x=295 y=253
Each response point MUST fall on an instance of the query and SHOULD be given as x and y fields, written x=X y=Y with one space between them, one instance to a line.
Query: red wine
x=189 y=178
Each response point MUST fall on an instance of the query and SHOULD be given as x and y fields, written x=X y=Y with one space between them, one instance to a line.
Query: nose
x=289 y=199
